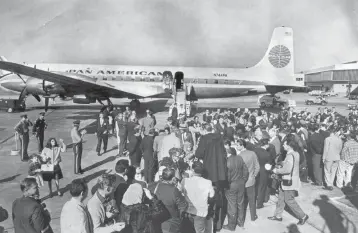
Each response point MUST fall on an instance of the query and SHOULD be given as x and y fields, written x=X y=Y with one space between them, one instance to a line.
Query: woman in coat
x=290 y=183
x=51 y=155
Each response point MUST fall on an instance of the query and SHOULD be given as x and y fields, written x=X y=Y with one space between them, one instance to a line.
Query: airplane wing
x=83 y=81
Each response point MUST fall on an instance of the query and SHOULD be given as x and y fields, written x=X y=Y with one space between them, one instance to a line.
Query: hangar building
x=341 y=78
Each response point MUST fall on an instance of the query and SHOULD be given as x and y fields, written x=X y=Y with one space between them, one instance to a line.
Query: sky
x=203 y=33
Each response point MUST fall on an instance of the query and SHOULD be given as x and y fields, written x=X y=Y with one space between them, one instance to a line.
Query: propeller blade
x=37 y=97
x=23 y=94
x=46 y=104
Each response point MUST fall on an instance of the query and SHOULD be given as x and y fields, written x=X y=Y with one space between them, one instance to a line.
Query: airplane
x=86 y=84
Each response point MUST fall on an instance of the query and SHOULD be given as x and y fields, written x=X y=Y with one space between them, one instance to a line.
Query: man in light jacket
x=331 y=156
x=252 y=163
x=97 y=206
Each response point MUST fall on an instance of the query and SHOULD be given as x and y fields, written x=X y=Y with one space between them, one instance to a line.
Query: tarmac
x=328 y=211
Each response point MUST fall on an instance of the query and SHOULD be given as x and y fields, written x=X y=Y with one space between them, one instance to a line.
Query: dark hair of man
x=121 y=166
x=198 y=167
x=27 y=183
x=242 y=143
x=290 y=140
x=167 y=128
x=136 y=130
x=77 y=187
x=168 y=174
x=106 y=180
x=208 y=128
x=264 y=142
x=227 y=142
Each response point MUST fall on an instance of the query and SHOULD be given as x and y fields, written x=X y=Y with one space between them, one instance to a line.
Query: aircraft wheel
x=10 y=110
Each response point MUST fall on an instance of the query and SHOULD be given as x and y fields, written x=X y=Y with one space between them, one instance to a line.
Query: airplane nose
x=13 y=85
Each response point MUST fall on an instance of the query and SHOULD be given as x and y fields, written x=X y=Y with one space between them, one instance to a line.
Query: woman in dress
x=51 y=155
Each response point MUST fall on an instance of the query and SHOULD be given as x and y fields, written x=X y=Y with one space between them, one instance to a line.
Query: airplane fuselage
x=204 y=82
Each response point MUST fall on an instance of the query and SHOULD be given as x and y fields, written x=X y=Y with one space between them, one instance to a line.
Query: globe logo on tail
x=279 y=56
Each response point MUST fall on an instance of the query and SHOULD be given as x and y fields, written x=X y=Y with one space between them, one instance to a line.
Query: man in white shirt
x=75 y=217
x=168 y=143
x=197 y=191
x=97 y=205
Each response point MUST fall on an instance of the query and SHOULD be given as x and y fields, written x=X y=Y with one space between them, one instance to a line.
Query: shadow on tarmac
x=87 y=179
x=336 y=220
x=8 y=179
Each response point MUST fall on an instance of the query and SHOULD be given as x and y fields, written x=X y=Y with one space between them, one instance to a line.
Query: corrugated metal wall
x=319 y=77
x=345 y=75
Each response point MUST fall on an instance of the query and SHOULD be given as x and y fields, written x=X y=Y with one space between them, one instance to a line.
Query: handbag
x=159 y=211
x=289 y=182
x=47 y=167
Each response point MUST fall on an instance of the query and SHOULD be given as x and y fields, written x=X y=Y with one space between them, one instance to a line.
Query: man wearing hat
x=77 y=146
x=39 y=130
x=22 y=133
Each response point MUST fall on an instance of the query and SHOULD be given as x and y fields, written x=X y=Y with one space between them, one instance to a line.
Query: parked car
x=319 y=100
x=274 y=101
x=352 y=106
x=287 y=91
x=329 y=93
x=315 y=92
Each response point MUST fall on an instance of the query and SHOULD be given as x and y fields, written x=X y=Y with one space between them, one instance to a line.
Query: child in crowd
x=35 y=169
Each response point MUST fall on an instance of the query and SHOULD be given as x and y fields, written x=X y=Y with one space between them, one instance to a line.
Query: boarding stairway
x=180 y=97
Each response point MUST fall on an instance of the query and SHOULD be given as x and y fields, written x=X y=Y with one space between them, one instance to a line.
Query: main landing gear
x=134 y=104
x=109 y=102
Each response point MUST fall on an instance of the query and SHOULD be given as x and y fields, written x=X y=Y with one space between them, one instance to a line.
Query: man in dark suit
x=28 y=215
x=173 y=200
x=175 y=114
x=135 y=153
x=207 y=117
x=146 y=147
x=103 y=128
x=316 y=146
x=39 y=130
x=263 y=157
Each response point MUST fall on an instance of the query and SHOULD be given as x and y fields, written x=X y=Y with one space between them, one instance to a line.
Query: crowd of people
x=193 y=173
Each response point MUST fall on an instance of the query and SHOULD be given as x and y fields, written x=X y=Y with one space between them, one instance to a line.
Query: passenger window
x=216 y=81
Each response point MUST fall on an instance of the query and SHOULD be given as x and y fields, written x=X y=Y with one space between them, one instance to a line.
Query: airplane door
x=179 y=80
x=168 y=81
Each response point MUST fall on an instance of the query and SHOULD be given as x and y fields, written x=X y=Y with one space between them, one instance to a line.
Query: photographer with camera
x=290 y=183
x=28 y=214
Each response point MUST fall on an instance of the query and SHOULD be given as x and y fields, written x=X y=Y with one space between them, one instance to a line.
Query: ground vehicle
x=353 y=97
x=315 y=92
x=274 y=101
x=352 y=106
x=12 y=105
x=318 y=101
x=329 y=93
x=286 y=91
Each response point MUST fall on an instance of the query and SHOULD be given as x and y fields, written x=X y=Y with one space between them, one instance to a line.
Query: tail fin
x=278 y=61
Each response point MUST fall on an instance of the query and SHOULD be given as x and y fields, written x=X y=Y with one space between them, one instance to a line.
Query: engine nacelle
x=39 y=87
x=83 y=100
